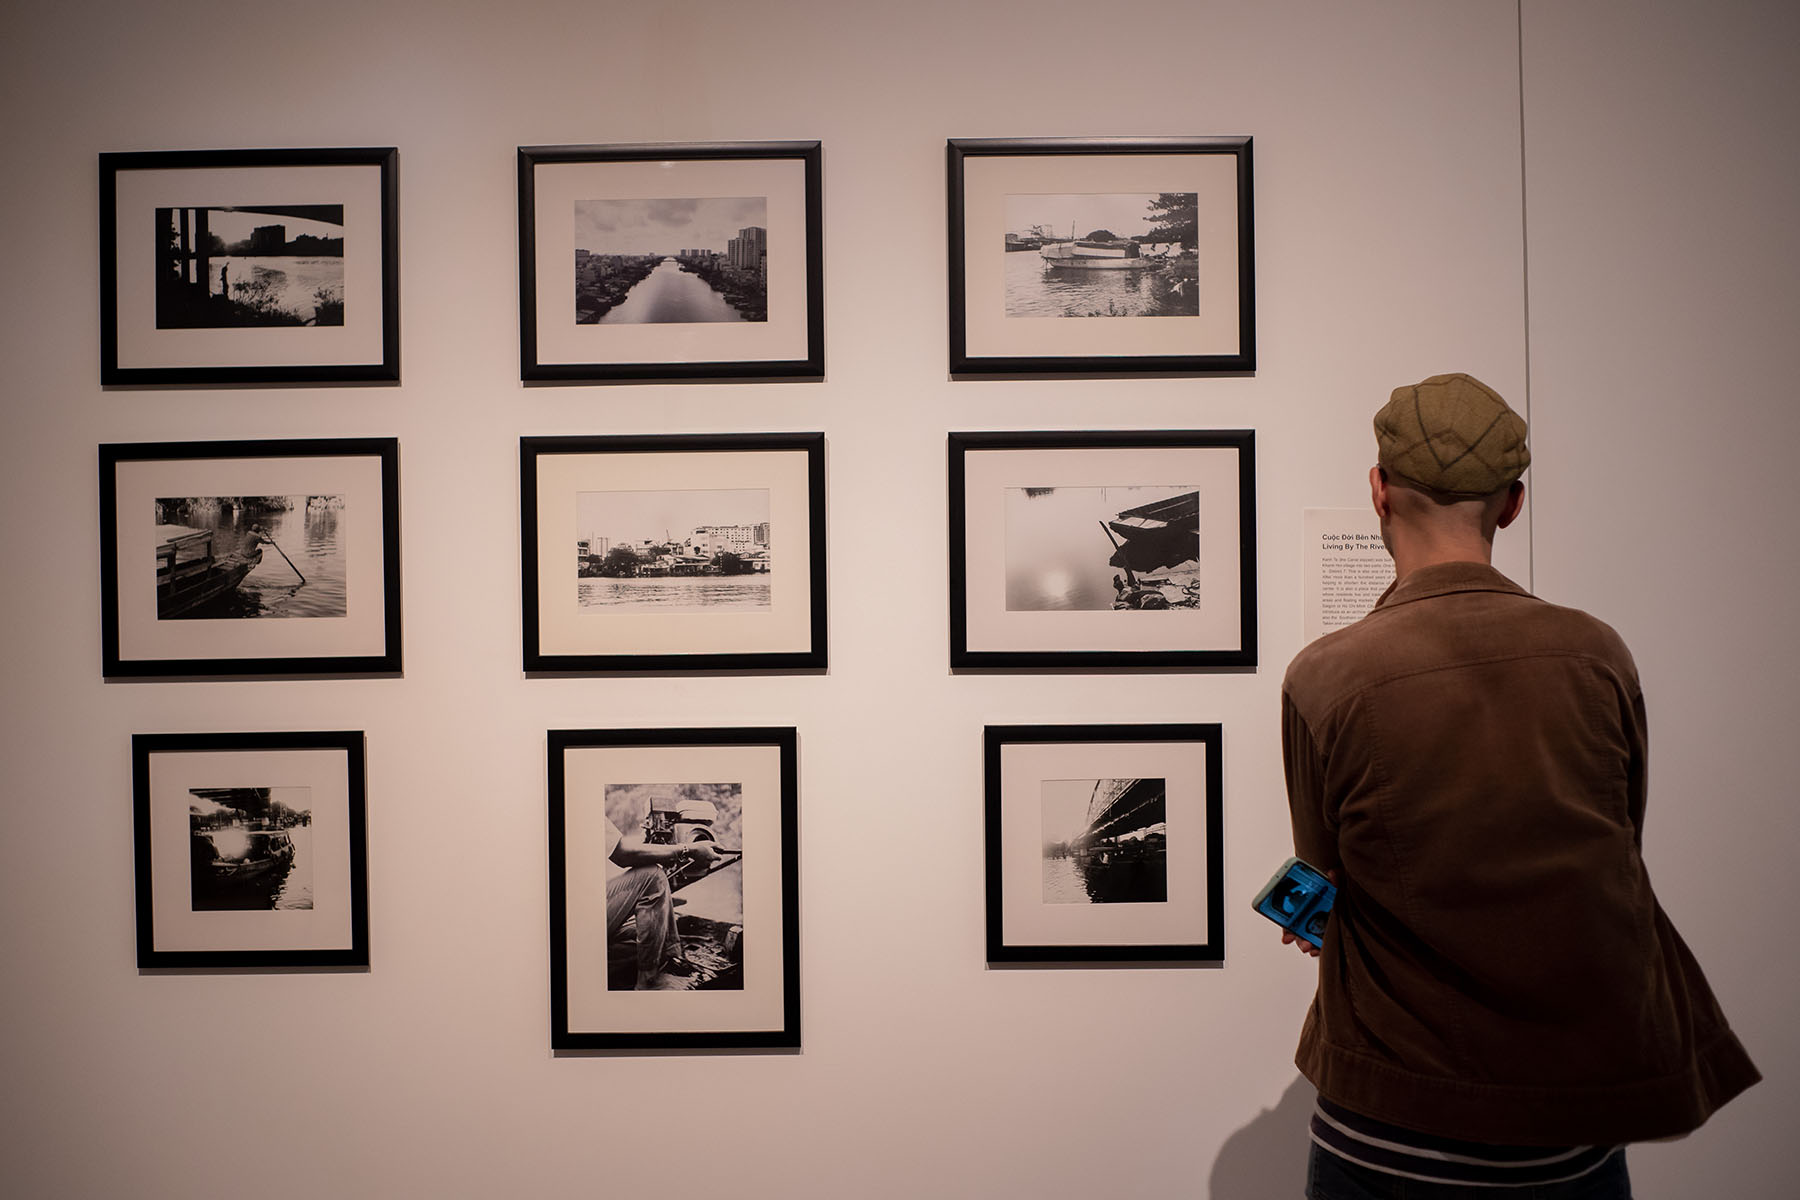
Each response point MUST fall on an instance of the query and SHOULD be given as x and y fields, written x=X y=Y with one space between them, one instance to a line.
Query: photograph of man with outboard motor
x=674 y=887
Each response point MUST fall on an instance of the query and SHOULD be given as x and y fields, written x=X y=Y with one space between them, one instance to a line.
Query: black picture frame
x=1002 y=617
x=750 y=981
x=161 y=323
x=1156 y=897
x=189 y=619
x=1169 y=308
x=287 y=886
x=769 y=322
x=590 y=620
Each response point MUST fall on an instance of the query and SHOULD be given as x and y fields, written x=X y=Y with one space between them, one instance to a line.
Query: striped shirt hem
x=1392 y=1150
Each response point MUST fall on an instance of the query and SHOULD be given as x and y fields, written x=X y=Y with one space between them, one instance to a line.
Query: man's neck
x=1410 y=554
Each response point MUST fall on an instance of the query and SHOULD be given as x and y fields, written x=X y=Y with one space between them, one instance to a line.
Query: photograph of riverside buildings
x=670 y=261
x=673 y=551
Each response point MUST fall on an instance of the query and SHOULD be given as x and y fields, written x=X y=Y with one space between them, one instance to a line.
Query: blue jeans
x=1329 y=1177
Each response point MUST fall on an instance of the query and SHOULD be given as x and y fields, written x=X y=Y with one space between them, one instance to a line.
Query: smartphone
x=1298 y=899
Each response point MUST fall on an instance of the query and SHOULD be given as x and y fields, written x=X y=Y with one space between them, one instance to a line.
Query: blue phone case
x=1298 y=899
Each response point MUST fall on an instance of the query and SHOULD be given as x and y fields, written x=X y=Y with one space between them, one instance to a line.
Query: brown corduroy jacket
x=1471 y=760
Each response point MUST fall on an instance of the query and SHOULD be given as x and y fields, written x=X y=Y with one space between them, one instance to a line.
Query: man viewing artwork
x=1501 y=1000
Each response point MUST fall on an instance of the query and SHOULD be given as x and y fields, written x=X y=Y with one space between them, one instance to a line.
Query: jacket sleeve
x=1315 y=830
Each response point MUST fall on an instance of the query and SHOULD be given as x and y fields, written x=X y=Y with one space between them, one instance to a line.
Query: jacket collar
x=1440 y=579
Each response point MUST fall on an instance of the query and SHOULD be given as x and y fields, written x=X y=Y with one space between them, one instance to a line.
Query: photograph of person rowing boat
x=1102 y=255
x=674 y=887
x=231 y=557
x=1099 y=548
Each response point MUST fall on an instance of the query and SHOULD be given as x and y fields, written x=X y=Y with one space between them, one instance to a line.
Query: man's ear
x=1515 y=500
x=1378 y=490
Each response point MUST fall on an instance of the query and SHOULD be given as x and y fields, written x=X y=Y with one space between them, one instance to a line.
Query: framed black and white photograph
x=250 y=849
x=1113 y=550
x=674 y=895
x=1108 y=256
x=250 y=266
x=1103 y=843
x=671 y=261
x=687 y=552
x=277 y=557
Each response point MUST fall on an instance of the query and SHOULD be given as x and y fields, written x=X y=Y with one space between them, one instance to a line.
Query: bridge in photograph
x=1122 y=806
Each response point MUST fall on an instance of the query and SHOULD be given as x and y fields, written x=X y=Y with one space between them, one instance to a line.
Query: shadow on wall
x=1266 y=1159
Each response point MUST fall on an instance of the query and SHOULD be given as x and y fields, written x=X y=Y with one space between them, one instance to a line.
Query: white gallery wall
x=1589 y=205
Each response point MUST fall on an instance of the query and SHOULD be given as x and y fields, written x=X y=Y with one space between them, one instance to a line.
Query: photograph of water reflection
x=1098 y=548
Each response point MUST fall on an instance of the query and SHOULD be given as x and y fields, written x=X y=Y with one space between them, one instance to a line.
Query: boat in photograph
x=1153 y=537
x=243 y=856
x=1116 y=255
x=189 y=575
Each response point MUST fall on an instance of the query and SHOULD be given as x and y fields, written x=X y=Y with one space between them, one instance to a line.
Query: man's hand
x=1306 y=947
x=701 y=852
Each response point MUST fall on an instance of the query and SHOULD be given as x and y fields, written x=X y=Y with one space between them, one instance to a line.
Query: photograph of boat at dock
x=676 y=260
x=232 y=557
x=250 y=848
x=1102 y=255
x=1105 y=841
x=673 y=551
x=1129 y=548
x=242 y=265
x=705 y=949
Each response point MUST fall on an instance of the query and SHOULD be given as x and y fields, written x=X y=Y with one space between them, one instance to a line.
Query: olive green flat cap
x=1452 y=434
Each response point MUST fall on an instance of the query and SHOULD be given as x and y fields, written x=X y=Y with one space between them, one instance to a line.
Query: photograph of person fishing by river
x=702 y=550
x=232 y=557
x=1102 y=255
x=704 y=948
x=250 y=848
x=671 y=261
x=242 y=266
x=1106 y=841
x=1128 y=548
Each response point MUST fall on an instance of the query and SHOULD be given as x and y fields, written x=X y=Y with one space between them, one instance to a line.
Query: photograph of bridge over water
x=240 y=266
x=1102 y=255
x=675 y=260
x=673 y=551
x=1105 y=841
x=1129 y=548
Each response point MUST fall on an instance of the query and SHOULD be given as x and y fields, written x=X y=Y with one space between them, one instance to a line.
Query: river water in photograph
x=687 y=593
x=1057 y=549
x=314 y=538
x=668 y=295
x=1034 y=289
x=292 y=283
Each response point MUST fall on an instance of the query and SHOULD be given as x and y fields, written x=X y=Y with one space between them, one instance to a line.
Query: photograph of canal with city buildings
x=1105 y=841
x=1103 y=255
x=250 y=848
x=669 y=261
x=673 y=551
x=219 y=268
